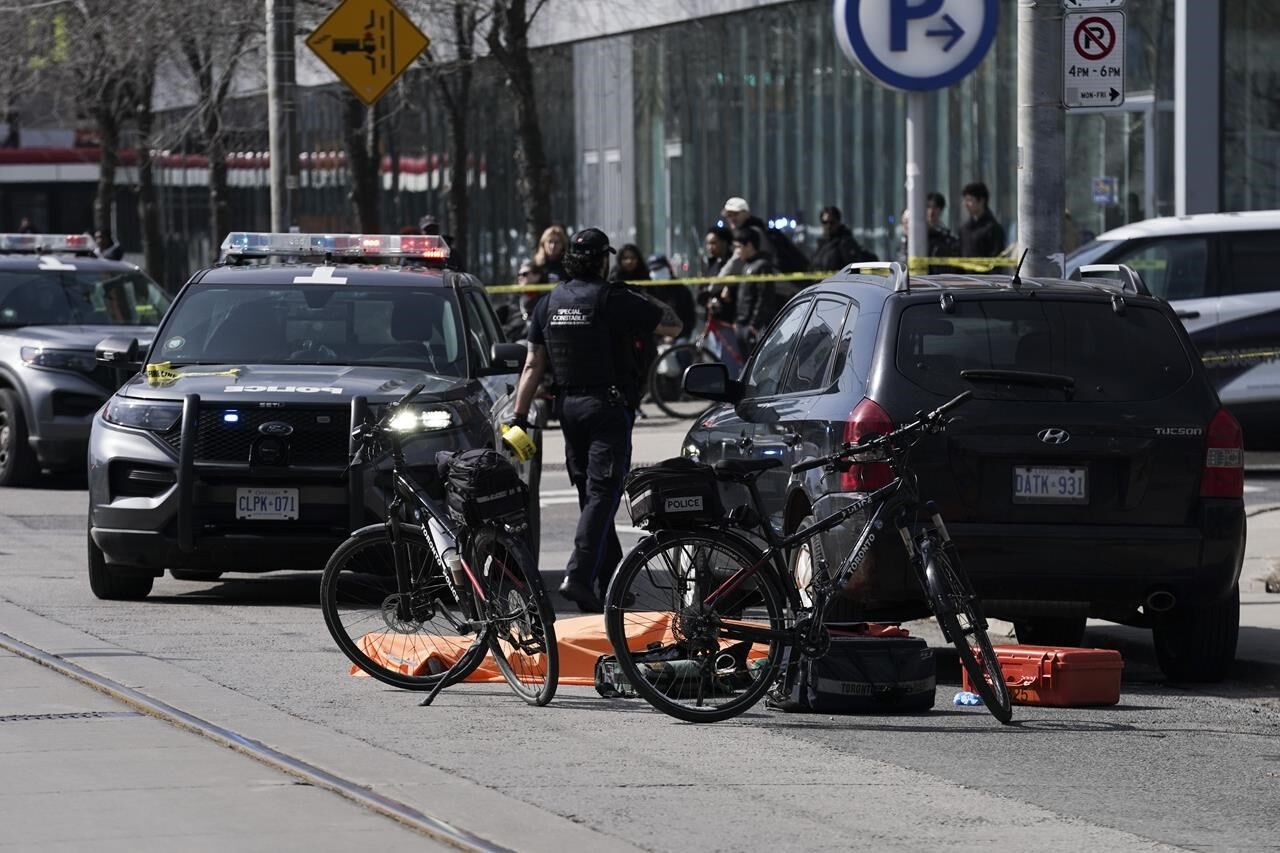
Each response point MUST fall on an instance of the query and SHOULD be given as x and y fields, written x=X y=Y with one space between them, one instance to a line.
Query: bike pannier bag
x=1061 y=677
x=859 y=675
x=481 y=486
x=676 y=493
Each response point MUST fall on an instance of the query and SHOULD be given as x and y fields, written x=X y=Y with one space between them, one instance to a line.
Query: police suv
x=229 y=448
x=57 y=301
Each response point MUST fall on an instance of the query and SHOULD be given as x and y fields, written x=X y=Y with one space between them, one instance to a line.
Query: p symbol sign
x=902 y=12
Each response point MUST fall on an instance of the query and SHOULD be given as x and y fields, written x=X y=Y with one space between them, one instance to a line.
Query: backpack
x=481 y=485
x=787 y=257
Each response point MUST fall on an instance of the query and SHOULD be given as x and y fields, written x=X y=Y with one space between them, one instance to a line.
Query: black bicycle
x=698 y=617
x=417 y=601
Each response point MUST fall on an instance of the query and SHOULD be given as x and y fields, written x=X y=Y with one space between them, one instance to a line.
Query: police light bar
x=262 y=244
x=46 y=243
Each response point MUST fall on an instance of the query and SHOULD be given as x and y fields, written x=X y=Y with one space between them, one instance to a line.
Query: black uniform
x=590 y=328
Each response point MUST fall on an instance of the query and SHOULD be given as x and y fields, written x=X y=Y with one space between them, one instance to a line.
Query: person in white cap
x=737 y=213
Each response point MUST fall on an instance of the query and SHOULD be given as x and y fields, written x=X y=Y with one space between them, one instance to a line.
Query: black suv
x=1093 y=473
x=229 y=451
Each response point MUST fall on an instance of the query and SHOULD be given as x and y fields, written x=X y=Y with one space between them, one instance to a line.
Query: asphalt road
x=1196 y=769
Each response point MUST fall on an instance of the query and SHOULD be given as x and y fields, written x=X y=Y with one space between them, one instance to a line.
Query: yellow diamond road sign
x=368 y=43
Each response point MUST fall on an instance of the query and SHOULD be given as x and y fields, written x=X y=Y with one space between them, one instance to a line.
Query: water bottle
x=964 y=697
x=448 y=551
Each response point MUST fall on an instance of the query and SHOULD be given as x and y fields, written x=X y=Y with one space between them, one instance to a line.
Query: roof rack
x=240 y=246
x=1130 y=280
x=899 y=275
x=47 y=244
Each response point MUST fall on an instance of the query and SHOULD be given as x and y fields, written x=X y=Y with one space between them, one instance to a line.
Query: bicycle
x=417 y=602
x=667 y=371
x=698 y=617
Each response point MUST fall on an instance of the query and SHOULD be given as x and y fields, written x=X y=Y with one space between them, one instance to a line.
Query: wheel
x=960 y=616
x=110 y=584
x=1198 y=643
x=193 y=575
x=18 y=465
x=1050 y=631
x=666 y=380
x=522 y=635
x=672 y=648
x=359 y=597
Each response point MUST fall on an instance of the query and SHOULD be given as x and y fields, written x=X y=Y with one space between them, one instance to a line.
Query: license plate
x=1050 y=485
x=267 y=504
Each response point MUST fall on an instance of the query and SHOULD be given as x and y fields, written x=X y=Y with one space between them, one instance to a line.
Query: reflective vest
x=582 y=347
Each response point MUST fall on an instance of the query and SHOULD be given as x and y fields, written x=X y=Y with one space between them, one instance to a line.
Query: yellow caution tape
x=162 y=373
x=1240 y=358
x=519 y=442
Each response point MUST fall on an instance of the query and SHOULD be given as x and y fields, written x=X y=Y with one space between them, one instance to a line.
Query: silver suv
x=57 y=301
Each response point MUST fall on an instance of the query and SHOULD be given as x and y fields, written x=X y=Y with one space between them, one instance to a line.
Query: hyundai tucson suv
x=56 y=302
x=1093 y=473
x=229 y=449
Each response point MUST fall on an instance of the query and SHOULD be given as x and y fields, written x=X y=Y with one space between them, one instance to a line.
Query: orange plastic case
x=1062 y=677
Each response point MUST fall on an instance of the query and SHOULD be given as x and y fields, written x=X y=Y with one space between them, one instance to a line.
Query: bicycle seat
x=743 y=469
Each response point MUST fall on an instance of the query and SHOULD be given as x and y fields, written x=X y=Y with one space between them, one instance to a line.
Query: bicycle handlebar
x=930 y=420
x=365 y=433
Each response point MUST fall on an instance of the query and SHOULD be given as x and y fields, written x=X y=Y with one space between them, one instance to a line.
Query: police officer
x=587 y=329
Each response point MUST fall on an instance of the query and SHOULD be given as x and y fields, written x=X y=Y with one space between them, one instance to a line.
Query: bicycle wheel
x=674 y=649
x=359 y=597
x=960 y=616
x=522 y=635
x=666 y=380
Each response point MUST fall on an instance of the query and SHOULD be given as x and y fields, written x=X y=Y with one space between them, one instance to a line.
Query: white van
x=1221 y=273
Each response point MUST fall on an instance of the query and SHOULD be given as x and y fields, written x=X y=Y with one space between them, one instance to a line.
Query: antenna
x=1016 y=282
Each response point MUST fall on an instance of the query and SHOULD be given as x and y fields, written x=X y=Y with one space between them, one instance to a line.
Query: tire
x=18 y=464
x=1198 y=644
x=522 y=635
x=1050 y=631
x=359 y=585
x=960 y=616
x=109 y=584
x=666 y=377
x=193 y=575
x=651 y=601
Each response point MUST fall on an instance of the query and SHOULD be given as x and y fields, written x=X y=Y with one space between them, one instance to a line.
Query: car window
x=315 y=324
x=770 y=359
x=1172 y=267
x=1254 y=257
x=1137 y=355
x=845 y=346
x=808 y=368
x=63 y=297
x=483 y=330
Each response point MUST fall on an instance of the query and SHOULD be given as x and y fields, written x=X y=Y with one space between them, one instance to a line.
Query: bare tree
x=361 y=134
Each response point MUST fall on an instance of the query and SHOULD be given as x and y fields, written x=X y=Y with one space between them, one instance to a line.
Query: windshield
x=79 y=297
x=314 y=324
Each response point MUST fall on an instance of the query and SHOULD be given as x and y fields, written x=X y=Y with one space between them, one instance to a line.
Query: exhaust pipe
x=1161 y=601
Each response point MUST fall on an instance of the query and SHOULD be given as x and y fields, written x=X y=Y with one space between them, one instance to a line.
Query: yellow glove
x=519 y=442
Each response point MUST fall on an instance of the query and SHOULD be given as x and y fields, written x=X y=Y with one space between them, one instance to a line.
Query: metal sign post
x=916 y=47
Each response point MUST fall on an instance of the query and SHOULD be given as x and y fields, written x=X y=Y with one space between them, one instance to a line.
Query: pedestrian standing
x=757 y=304
x=981 y=236
x=550 y=253
x=586 y=330
x=838 y=247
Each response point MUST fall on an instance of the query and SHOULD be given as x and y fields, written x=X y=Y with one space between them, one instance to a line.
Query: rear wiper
x=1021 y=377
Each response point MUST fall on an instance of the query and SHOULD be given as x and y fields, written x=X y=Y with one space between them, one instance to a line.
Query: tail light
x=866 y=419
x=1223 y=475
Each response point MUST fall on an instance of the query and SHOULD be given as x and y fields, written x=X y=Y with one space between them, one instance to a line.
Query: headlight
x=417 y=418
x=142 y=414
x=60 y=359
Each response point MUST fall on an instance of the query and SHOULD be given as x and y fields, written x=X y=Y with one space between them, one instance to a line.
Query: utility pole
x=1041 y=135
x=282 y=113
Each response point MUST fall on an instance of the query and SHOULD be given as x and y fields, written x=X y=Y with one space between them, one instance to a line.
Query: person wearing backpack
x=586 y=330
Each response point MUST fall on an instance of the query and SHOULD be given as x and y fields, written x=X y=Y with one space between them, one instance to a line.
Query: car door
x=791 y=432
x=1182 y=271
x=1245 y=365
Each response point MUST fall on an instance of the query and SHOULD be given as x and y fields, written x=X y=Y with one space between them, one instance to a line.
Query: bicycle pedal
x=465 y=628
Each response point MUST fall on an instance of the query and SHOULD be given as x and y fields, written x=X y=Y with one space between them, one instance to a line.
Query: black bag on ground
x=675 y=493
x=482 y=486
x=876 y=675
x=670 y=671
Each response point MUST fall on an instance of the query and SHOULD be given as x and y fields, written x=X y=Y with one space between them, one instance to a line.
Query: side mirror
x=506 y=358
x=119 y=352
x=712 y=382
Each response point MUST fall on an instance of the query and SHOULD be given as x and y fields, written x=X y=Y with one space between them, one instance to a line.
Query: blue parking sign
x=1104 y=190
x=916 y=45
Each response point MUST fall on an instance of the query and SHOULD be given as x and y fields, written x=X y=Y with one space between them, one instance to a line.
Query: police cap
x=590 y=241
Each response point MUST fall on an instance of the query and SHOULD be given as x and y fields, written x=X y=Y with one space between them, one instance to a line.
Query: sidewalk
x=81 y=771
